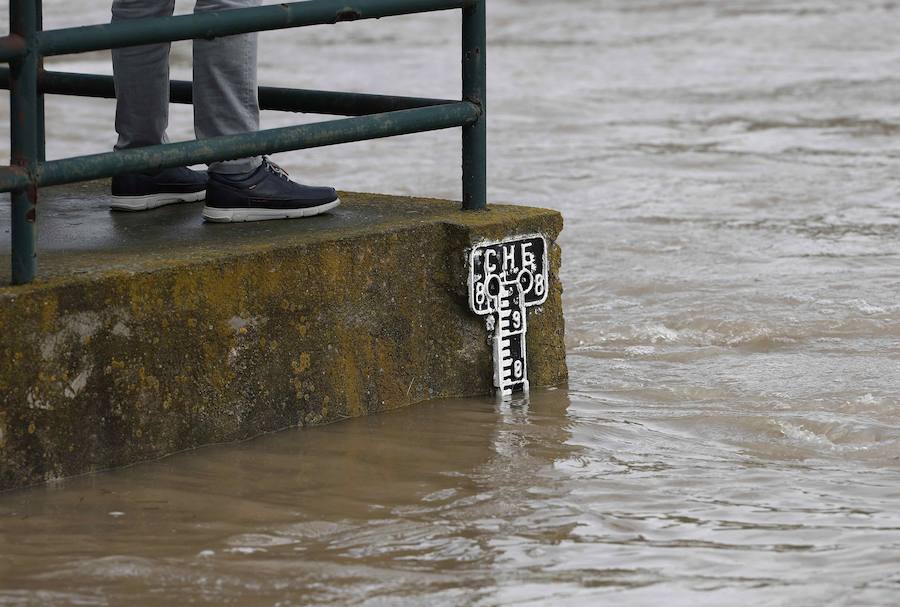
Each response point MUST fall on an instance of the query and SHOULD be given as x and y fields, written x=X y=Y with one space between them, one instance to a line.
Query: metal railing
x=374 y=116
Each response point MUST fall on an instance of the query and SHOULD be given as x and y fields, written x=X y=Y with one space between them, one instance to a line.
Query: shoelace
x=275 y=169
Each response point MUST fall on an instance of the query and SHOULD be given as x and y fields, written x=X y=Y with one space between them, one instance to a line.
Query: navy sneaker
x=142 y=191
x=267 y=193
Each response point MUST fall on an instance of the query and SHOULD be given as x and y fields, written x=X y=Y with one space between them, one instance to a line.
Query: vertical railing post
x=41 y=113
x=23 y=116
x=474 y=84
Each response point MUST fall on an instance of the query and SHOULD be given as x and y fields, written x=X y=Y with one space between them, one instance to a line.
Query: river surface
x=729 y=172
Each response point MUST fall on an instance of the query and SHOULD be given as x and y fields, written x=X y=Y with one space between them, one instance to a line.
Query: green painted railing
x=374 y=116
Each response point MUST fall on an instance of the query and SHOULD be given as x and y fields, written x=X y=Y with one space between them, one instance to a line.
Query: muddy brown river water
x=729 y=172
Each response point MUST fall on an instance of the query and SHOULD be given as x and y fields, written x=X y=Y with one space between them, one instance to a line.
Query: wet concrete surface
x=78 y=233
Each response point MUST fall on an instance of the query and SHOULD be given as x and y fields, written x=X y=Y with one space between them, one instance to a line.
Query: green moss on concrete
x=137 y=358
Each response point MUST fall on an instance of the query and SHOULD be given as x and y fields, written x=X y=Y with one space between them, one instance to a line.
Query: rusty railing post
x=23 y=115
x=474 y=84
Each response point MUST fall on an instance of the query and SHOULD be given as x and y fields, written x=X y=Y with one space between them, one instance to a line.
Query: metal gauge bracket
x=506 y=278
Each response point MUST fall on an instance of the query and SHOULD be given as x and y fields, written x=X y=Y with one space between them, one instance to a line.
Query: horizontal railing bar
x=338 y=103
x=134 y=32
x=270 y=97
x=11 y=47
x=228 y=147
x=13 y=178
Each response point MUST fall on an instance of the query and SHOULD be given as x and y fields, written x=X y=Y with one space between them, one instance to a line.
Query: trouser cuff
x=236 y=167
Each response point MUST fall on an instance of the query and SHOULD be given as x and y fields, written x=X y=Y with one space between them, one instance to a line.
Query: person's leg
x=141 y=75
x=225 y=87
x=225 y=103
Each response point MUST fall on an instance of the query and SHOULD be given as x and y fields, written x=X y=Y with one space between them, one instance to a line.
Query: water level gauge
x=505 y=278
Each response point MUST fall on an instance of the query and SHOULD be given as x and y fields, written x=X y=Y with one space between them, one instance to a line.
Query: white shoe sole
x=152 y=201
x=236 y=215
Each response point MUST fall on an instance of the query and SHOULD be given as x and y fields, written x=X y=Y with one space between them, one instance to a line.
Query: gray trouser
x=225 y=99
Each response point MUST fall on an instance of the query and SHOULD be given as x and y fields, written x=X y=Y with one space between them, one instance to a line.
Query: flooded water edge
x=728 y=175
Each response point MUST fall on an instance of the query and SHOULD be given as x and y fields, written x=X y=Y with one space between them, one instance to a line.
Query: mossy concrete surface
x=151 y=333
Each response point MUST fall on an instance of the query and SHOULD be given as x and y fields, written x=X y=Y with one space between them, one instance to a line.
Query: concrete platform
x=154 y=332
